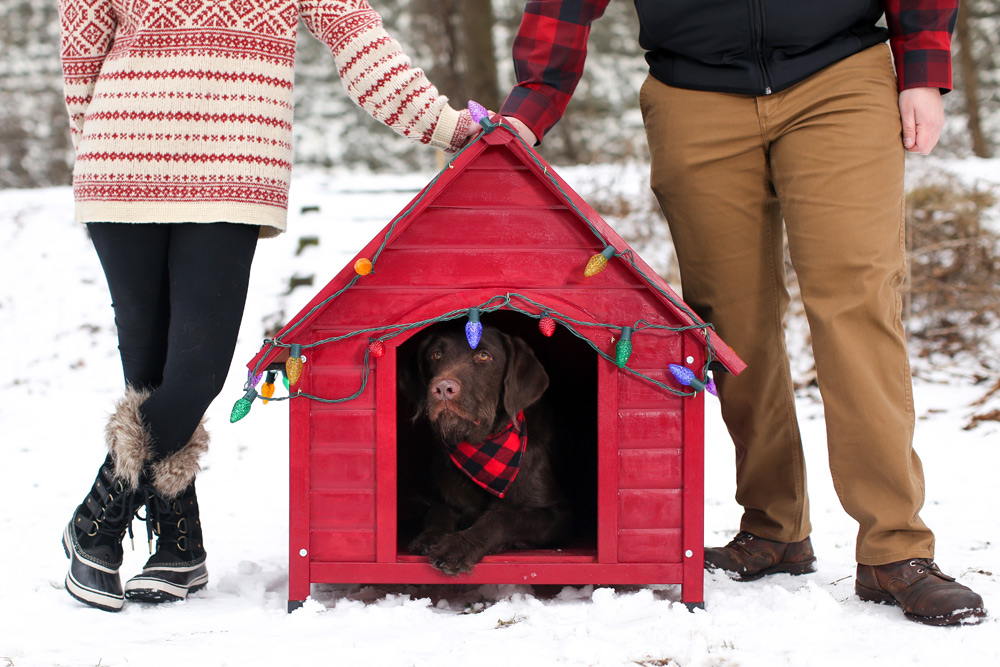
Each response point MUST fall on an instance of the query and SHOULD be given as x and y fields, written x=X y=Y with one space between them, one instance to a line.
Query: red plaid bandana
x=494 y=463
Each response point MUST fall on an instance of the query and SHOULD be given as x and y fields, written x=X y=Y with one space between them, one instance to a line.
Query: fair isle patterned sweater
x=181 y=110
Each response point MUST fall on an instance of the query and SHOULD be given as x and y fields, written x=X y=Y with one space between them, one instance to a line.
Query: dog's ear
x=525 y=379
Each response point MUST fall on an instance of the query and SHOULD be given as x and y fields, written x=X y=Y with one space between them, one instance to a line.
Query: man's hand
x=526 y=134
x=922 y=113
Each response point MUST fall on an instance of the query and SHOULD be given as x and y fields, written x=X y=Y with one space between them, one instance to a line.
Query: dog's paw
x=454 y=555
x=422 y=543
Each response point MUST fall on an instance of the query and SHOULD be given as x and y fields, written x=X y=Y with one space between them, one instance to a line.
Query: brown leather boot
x=925 y=593
x=749 y=557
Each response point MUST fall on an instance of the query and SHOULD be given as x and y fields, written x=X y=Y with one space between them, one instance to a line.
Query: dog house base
x=649 y=524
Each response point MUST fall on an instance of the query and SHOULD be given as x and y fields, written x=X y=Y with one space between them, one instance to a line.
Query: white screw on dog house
x=688 y=553
x=690 y=360
x=303 y=552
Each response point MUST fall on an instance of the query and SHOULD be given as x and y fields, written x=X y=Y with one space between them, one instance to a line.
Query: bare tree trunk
x=480 y=59
x=458 y=37
x=970 y=81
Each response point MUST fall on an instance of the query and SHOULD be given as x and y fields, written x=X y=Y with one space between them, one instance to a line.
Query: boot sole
x=88 y=596
x=963 y=617
x=158 y=596
x=150 y=588
x=794 y=569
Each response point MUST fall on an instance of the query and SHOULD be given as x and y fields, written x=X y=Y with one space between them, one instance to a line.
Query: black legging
x=178 y=292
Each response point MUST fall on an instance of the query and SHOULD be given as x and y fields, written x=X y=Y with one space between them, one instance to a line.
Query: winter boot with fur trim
x=178 y=566
x=131 y=447
x=93 y=541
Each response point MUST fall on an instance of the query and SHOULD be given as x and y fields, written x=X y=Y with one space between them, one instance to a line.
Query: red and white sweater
x=181 y=110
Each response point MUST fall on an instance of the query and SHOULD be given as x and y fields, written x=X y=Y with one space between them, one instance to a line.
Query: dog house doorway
x=572 y=396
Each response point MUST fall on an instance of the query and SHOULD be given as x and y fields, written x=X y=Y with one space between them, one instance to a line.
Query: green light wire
x=490 y=305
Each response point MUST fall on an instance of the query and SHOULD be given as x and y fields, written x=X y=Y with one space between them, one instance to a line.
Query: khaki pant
x=825 y=156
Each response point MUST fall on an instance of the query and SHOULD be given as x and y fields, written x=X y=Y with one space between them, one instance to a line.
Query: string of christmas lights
x=547 y=316
x=509 y=301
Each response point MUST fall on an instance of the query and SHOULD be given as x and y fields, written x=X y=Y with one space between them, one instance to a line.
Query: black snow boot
x=92 y=540
x=178 y=565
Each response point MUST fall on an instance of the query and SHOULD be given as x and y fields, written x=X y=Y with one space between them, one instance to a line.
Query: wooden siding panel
x=506 y=188
x=330 y=382
x=649 y=469
x=348 y=352
x=649 y=546
x=347 y=508
x=650 y=508
x=493 y=159
x=497 y=228
x=341 y=546
x=638 y=392
x=368 y=306
x=333 y=428
x=478 y=267
x=650 y=428
x=342 y=469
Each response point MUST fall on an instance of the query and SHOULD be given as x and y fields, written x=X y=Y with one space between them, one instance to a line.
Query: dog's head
x=465 y=393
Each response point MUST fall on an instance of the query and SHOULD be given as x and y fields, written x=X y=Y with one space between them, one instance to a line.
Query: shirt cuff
x=533 y=108
x=925 y=68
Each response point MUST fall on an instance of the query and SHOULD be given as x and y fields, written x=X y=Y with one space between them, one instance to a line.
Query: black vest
x=752 y=47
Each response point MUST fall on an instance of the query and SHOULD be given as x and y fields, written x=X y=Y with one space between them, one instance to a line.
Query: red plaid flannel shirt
x=551 y=46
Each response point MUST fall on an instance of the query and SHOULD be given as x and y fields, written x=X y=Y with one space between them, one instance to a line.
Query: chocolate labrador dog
x=491 y=463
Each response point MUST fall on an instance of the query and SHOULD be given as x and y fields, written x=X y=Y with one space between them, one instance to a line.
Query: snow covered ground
x=57 y=325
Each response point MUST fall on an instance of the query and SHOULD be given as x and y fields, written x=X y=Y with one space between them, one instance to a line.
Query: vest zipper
x=758 y=34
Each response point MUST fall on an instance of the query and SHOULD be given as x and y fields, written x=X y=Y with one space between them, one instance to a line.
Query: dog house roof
x=512 y=220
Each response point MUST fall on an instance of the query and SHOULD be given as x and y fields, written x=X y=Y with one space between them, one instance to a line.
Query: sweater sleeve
x=87 y=30
x=378 y=75
x=920 y=36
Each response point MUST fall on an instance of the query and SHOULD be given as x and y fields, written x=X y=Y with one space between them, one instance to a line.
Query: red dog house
x=498 y=230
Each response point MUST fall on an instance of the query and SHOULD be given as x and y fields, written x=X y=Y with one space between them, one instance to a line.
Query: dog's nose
x=445 y=389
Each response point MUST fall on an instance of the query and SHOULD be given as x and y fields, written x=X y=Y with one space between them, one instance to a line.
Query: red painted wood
x=398 y=305
x=339 y=383
x=336 y=426
x=385 y=536
x=652 y=546
x=553 y=572
x=342 y=508
x=484 y=267
x=445 y=187
x=646 y=428
x=495 y=228
x=339 y=545
x=342 y=469
x=298 y=501
x=636 y=392
x=650 y=468
x=511 y=189
x=607 y=464
x=526 y=556
x=650 y=508
x=692 y=588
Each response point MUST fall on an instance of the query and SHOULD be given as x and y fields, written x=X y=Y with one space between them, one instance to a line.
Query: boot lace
x=111 y=509
x=165 y=521
x=741 y=538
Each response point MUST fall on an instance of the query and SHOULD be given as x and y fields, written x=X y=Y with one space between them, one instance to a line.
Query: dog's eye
x=436 y=355
x=484 y=355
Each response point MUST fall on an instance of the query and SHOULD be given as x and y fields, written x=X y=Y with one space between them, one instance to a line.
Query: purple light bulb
x=478 y=111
